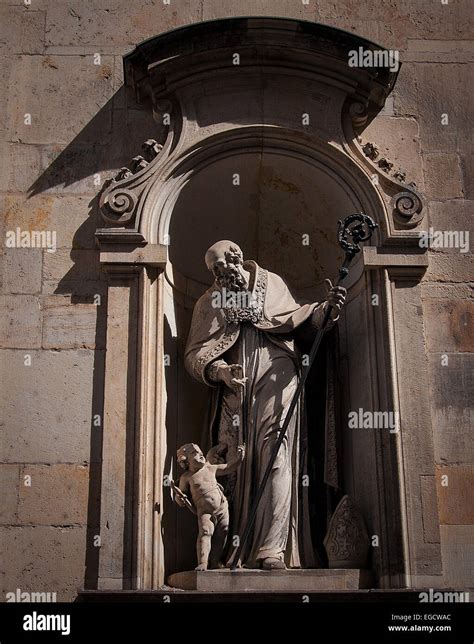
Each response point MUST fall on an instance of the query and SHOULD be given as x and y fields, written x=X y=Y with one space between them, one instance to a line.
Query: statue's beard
x=232 y=280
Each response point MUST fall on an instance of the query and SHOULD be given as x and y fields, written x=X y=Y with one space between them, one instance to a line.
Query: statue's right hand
x=232 y=376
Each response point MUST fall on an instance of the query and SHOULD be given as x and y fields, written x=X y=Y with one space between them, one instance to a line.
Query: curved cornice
x=158 y=65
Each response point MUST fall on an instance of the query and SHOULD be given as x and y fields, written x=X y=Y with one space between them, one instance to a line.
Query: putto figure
x=247 y=349
x=208 y=498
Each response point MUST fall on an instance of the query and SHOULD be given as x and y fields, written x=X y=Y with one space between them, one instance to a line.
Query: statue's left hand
x=336 y=296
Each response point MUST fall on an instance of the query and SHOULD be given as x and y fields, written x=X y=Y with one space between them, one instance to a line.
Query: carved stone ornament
x=406 y=202
x=119 y=196
x=407 y=206
x=347 y=541
x=371 y=151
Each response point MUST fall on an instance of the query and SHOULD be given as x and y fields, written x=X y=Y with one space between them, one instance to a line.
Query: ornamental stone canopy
x=228 y=86
x=298 y=48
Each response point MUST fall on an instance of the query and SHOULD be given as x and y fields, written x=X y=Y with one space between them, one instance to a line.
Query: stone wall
x=67 y=125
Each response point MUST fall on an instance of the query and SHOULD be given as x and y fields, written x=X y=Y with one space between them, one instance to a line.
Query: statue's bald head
x=223 y=251
x=225 y=260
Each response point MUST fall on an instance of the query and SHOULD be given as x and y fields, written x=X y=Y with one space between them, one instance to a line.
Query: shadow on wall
x=93 y=156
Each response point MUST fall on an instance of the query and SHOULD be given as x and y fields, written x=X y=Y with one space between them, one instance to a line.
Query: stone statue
x=209 y=500
x=244 y=344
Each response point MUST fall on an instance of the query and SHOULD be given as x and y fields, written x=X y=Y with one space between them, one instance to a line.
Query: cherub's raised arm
x=231 y=466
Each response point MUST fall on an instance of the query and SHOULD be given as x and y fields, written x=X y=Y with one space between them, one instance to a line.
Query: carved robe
x=261 y=338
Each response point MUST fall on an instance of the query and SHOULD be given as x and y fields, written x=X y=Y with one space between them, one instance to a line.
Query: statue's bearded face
x=228 y=271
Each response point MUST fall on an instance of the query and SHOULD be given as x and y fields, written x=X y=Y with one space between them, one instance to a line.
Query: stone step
x=249 y=580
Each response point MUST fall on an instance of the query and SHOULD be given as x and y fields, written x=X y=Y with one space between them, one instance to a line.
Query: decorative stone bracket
x=404 y=202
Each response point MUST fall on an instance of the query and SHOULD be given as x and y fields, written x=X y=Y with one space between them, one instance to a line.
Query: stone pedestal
x=246 y=580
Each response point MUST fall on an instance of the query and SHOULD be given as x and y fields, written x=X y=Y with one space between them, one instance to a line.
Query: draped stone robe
x=262 y=340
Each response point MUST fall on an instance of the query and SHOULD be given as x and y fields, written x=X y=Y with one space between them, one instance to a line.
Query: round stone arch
x=160 y=199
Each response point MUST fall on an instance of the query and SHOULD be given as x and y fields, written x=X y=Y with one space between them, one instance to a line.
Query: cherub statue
x=208 y=499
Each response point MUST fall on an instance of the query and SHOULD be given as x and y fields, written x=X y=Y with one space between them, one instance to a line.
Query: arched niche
x=283 y=212
x=295 y=179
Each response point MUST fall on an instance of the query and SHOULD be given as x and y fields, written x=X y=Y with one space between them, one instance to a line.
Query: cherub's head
x=190 y=457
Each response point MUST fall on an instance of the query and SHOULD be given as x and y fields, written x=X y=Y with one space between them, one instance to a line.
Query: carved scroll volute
x=358 y=113
x=403 y=197
x=119 y=197
x=117 y=204
x=407 y=208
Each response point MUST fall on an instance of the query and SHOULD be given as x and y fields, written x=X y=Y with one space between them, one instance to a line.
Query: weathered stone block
x=457 y=547
x=57 y=494
x=405 y=92
x=140 y=126
x=438 y=51
x=48 y=407
x=444 y=94
x=41 y=86
x=22 y=270
x=71 y=265
x=448 y=325
x=79 y=168
x=67 y=325
x=421 y=19
x=21 y=30
x=70 y=217
x=5 y=73
x=467 y=168
x=450 y=265
x=455 y=484
x=442 y=174
x=398 y=141
x=20 y=321
x=9 y=484
x=452 y=215
x=446 y=291
x=429 y=509
x=451 y=412
x=80 y=292
x=48 y=559
x=21 y=166
x=214 y=9
x=124 y=24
